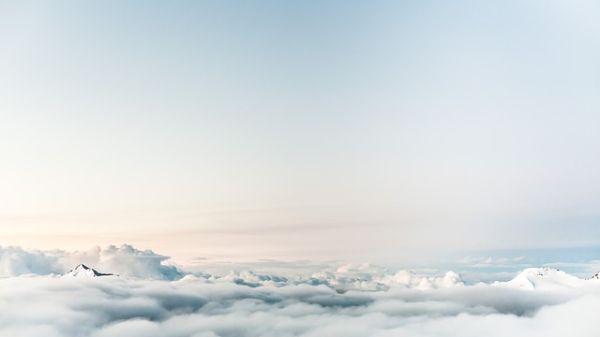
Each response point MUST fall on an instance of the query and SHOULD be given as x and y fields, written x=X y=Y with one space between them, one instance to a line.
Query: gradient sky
x=372 y=130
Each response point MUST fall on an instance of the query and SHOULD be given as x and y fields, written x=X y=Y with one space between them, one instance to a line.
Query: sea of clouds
x=151 y=298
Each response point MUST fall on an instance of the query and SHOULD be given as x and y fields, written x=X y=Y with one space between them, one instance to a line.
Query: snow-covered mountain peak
x=544 y=278
x=83 y=271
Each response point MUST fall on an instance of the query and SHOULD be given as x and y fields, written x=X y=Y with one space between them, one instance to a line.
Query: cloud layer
x=61 y=307
x=351 y=300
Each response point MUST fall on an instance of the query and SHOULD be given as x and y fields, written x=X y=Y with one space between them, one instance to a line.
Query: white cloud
x=17 y=261
x=53 y=306
x=124 y=260
x=375 y=302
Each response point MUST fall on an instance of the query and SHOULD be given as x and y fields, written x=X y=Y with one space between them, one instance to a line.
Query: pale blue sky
x=298 y=129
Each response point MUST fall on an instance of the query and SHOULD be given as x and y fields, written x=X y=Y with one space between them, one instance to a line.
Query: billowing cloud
x=192 y=307
x=124 y=260
x=350 y=300
x=17 y=261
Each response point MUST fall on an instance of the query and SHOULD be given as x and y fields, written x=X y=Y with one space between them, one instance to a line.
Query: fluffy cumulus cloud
x=350 y=300
x=17 y=261
x=124 y=260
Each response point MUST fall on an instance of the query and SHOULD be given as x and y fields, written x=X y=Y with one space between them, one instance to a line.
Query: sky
x=362 y=130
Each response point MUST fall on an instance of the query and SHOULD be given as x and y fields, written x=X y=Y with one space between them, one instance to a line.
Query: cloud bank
x=351 y=300
x=124 y=260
